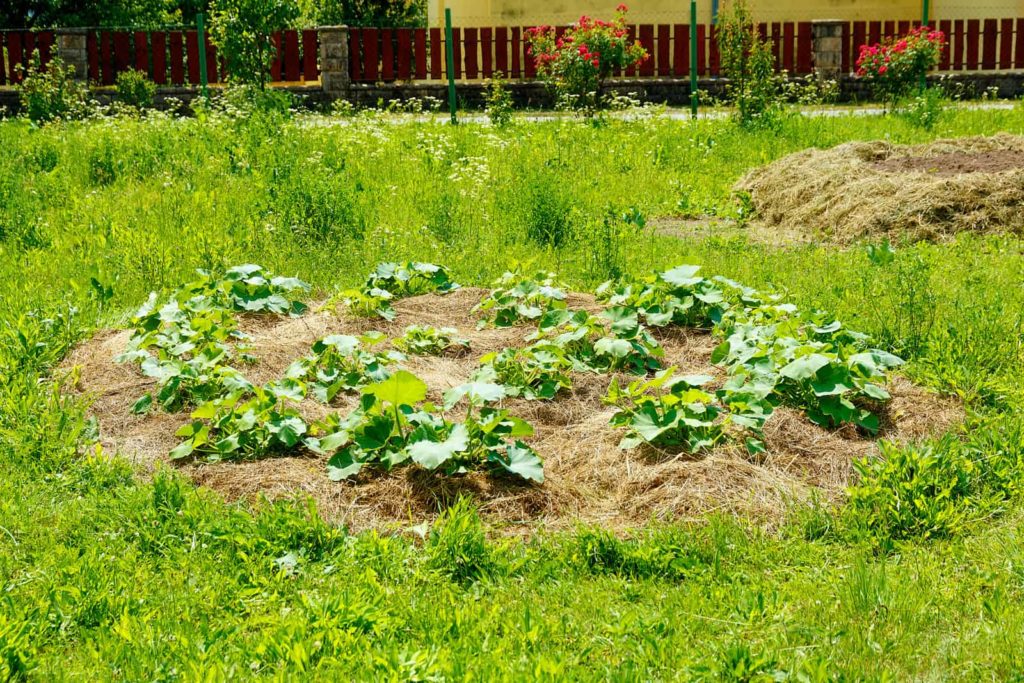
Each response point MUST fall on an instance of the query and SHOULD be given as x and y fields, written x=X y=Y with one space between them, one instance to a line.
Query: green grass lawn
x=108 y=575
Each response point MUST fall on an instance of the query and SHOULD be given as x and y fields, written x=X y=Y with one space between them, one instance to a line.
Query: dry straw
x=876 y=189
x=587 y=477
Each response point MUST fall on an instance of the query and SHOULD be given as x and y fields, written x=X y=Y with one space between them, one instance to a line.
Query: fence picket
x=470 y=42
x=387 y=55
x=664 y=50
x=946 y=26
x=420 y=41
x=310 y=46
x=177 y=58
x=15 y=55
x=501 y=50
x=788 y=46
x=1018 y=58
x=1006 y=44
x=702 y=40
x=681 y=50
x=142 y=52
x=486 y=56
x=988 y=43
x=158 y=41
x=973 y=40
x=404 y=37
x=646 y=32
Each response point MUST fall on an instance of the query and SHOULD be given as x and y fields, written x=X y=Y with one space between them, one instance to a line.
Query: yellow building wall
x=556 y=12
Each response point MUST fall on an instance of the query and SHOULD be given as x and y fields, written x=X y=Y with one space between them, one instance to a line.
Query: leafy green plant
x=516 y=298
x=538 y=371
x=52 y=93
x=393 y=426
x=247 y=424
x=363 y=303
x=410 y=278
x=134 y=89
x=586 y=342
x=425 y=340
x=252 y=289
x=186 y=343
x=675 y=297
x=811 y=363
x=340 y=363
x=681 y=415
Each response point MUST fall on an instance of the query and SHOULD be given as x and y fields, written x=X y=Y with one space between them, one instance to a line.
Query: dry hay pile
x=878 y=189
x=587 y=477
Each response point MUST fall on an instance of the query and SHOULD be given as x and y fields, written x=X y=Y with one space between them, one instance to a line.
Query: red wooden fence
x=16 y=48
x=387 y=55
x=172 y=57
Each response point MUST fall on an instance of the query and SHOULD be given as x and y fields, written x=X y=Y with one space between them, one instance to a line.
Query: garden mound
x=870 y=190
x=587 y=477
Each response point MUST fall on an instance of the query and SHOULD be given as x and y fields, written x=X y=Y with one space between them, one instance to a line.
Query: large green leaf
x=522 y=460
x=479 y=393
x=682 y=276
x=616 y=348
x=402 y=388
x=433 y=454
x=805 y=367
x=343 y=465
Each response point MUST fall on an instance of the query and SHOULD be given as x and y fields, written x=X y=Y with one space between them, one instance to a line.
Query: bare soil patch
x=955 y=163
x=588 y=478
x=868 y=190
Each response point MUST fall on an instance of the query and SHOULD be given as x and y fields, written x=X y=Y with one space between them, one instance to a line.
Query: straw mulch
x=873 y=190
x=588 y=478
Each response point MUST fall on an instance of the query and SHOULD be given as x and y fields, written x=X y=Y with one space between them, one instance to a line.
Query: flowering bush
x=896 y=64
x=577 y=62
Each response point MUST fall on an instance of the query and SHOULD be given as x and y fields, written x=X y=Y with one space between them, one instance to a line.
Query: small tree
x=242 y=30
x=379 y=13
x=747 y=61
x=577 y=63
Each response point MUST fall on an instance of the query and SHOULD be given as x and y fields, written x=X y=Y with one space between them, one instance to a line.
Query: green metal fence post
x=201 y=39
x=925 y=7
x=693 y=58
x=449 y=50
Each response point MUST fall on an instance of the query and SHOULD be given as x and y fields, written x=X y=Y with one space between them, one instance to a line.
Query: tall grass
x=104 y=575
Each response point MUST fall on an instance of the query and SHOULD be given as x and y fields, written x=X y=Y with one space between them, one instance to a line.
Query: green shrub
x=457 y=545
x=922 y=490
x=925 y=110
x=53 y=93
x=499 y=102
x=135 y=89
